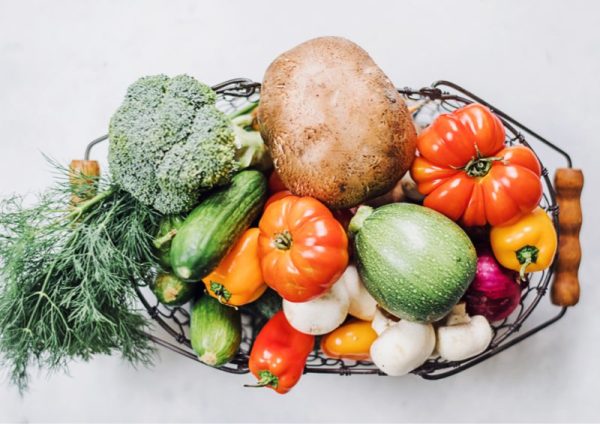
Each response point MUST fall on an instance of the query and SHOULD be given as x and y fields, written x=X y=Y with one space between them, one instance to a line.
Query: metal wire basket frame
x=428 y=102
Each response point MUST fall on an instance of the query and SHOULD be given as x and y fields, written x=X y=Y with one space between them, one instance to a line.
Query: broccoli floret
x=169 y=143
x=251 y=150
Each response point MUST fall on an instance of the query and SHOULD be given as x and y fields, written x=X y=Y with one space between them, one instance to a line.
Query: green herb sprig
x=67 y=278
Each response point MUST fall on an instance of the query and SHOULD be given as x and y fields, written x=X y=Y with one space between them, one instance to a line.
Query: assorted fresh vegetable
x=321 y=315
x=527 y=245
x=362 y=305
x=403 y=346
x=335 y=125
x=278 y=354
x=415 y=262
x=461 y=336
x=185 y=209
x=303 y=249
x=238 y=280
x=171 y=290
x=468 y=174
x=169 y=225
x=267 y=305
x=67 y=290
x=211 y=229
x=169 y=143
x=350 y=341
x=495 y=292
x=215 y=331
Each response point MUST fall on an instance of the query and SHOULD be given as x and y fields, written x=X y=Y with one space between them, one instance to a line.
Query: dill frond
x=67 y=278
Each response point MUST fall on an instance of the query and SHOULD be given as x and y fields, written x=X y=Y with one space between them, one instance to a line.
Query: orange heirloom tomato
x=278 y=195
x=238 y=279
x=350 y=341
x=303 y=249
x=468 y=174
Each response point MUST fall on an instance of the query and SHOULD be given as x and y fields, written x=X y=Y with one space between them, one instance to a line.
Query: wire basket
x=428 y=103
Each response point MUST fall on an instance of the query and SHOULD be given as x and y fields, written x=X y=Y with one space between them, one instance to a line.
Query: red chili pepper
x=279 y=354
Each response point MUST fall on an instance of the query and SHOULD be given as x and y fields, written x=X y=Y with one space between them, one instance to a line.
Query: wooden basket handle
x=565 y=287
x=83 y=176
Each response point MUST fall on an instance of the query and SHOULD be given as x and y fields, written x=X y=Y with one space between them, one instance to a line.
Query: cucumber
x=211 y=230
x=168 y=227
x=170 y=290
x=267 y=305
x=414 y=261
x=215 y=331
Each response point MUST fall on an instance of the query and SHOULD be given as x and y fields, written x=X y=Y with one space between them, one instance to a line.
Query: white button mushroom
x=463 y=337
x=382 y=321
x=321 y=315
x=362 y=304
x=402 y=347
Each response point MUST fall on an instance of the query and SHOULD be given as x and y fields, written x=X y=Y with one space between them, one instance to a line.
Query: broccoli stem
x=243 y=111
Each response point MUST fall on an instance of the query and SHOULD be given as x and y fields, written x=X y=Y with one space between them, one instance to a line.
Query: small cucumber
x=215 y=331
x=211 y=230
x=169 y=225
x=170 y=290
x=267 y=305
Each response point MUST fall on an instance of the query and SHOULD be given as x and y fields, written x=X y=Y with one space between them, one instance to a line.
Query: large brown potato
x=335 y=125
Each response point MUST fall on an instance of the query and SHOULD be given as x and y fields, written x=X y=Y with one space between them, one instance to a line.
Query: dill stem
x=39 y=298
x=84 y=206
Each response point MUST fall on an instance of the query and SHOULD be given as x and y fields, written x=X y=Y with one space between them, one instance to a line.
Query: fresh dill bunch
x=67 y=276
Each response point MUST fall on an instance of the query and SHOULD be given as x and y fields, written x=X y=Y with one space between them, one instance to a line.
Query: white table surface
x=64 y=66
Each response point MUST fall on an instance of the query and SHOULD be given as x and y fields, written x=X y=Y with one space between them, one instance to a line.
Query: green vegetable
x=212 y=229
x=166 y=231
x=66 y=278
x=414 y=261
x=172 y=291
x=215 y=331
x=267 y=305
x=169 y=143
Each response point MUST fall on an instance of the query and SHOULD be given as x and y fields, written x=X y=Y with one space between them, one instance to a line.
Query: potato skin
x=335 y=125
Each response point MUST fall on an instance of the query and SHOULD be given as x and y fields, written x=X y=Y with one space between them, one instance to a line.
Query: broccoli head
x=169 y=143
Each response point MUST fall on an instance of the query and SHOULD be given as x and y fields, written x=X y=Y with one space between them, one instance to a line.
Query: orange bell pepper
x=527 y=245
x=238 y=279
x=351 y=341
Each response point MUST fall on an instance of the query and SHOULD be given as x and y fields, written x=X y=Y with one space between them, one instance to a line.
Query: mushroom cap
x=403 y=347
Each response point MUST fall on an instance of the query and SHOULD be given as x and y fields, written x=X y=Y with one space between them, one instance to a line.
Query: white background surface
x=64 y=67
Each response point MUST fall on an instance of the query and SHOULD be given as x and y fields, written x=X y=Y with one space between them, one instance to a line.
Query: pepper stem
x=223 y=295
x=283 y=240
x=526 y=256
x=266 y=379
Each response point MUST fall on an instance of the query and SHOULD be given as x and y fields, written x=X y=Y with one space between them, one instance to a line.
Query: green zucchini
x=215 y=331
x=168 y=227
x=211 y=230
x=171 y=290
x=414 y=261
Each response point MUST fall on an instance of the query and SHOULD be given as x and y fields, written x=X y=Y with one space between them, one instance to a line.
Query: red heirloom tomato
x=303 y=248
x=469 y=175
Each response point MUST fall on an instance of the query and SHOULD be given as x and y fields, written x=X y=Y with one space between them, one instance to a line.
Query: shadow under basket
x=427 y=103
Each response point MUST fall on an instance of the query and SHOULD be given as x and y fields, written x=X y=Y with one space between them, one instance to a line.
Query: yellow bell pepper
x=527 y=245
x=351 y=341
x=238 y=279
